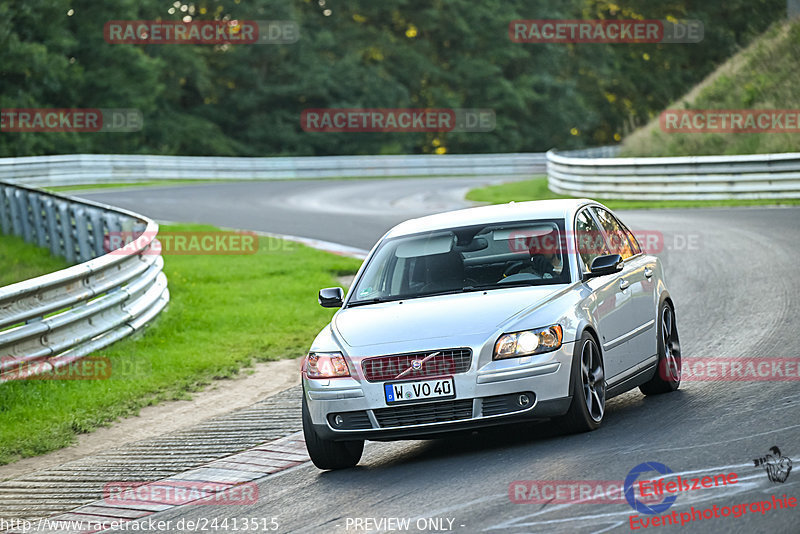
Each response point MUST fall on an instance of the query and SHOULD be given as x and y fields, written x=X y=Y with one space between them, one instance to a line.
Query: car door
x=639 y=313
x=607 y=300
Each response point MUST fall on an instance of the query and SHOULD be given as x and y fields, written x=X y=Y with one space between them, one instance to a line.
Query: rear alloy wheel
x=668 y=374
x=329 y=454
x=588 y=388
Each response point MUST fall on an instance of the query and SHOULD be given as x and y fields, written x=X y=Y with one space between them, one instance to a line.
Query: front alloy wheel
x=593 y=381
x=588 y=404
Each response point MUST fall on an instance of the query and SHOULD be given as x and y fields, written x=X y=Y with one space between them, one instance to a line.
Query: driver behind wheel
x=545 y=258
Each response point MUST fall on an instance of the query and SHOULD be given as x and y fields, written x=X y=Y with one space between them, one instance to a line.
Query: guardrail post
x=65 y=223
x=5 y=209
x=56 y=245
x=97 y=233
x=25 y=216
x=16 y=217
x=38 y=221
x=82 y=234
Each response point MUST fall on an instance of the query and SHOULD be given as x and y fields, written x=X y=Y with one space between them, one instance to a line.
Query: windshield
x=483 y=257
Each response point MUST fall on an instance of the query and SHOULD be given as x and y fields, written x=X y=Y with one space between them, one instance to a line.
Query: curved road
x=351 y=212
x=733 y=274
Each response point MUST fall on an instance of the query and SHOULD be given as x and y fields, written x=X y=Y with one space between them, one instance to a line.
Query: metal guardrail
x=104 y=168
x=52 y=320
x=597 y=173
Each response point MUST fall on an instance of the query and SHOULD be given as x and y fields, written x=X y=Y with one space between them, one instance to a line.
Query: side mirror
x=331 y=297
x=608 y=264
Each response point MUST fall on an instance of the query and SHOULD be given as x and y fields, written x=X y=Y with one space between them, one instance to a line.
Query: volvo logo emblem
x=416 y=365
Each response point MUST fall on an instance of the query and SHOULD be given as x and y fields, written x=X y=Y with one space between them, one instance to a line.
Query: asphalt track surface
x=733 y=274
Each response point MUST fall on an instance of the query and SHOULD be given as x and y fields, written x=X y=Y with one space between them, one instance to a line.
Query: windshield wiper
x=376 y=300
x=440 y=293
x=498 y=285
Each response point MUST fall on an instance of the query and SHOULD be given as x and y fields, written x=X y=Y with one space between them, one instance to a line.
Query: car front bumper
x=487 y=394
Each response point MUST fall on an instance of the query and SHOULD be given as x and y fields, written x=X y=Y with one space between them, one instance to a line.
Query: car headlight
x=528 y=342
x=325 y=365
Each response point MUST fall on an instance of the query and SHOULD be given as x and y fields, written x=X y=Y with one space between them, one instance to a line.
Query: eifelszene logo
x=630 y=496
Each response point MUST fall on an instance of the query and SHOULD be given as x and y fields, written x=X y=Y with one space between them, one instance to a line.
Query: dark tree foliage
x=247 y=99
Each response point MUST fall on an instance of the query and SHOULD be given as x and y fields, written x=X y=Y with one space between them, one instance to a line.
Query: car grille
x=418 y=414
x=439 y=363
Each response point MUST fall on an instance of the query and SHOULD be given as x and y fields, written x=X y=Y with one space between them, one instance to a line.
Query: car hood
x=436 y=317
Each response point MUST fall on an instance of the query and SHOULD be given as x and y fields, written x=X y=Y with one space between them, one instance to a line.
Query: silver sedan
x=487 y=316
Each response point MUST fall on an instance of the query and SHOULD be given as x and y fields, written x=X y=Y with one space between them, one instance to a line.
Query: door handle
x=648 y=272
x=623 y=284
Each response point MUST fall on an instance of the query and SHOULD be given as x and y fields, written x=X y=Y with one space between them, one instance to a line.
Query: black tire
x=328 y=454
x=668 y=372
x=587 y=379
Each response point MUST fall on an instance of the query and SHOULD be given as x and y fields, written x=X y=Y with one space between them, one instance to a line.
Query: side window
x=617 y=236
x=634 y=243
x=590 y=240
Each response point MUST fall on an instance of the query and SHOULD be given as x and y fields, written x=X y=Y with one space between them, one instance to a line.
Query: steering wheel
x=514 y=268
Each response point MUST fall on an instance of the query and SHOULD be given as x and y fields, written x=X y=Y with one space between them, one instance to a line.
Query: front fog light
x=528 y=342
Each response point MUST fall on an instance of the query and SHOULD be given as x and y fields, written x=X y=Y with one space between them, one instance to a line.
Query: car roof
x=513 y=211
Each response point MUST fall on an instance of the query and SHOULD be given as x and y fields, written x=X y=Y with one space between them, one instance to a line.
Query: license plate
x=425 y=389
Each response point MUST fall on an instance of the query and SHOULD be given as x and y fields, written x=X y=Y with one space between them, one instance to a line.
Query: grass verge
x=20 y=260
x=225 y=313
x=762 y=76
x=162 y=183
x=536 y=189
x=115 y=185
